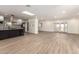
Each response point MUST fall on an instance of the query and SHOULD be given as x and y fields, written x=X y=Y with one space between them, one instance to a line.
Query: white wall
x=73 y=25
x=46 y=26
x=33 y=25
x=49 y=25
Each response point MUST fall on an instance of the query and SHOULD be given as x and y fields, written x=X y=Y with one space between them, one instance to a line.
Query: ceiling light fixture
x=28 y=13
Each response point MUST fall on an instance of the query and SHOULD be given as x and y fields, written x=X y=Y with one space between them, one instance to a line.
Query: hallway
x=42 y=43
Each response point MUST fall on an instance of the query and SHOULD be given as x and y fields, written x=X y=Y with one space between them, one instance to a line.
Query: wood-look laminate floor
x=42 y=43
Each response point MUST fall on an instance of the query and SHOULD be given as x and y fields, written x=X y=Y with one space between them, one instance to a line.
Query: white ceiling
x=44 y=12
x=51 y=12
x=13 y=9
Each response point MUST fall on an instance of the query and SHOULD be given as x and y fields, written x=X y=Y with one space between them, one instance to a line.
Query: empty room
x=39 y=29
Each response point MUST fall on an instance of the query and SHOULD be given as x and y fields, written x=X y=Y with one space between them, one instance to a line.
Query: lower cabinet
x=4 y=34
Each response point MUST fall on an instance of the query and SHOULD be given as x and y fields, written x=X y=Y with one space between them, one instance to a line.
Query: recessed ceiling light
x=28 y=13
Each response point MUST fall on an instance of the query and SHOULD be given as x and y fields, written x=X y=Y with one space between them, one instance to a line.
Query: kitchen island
x=9 y=33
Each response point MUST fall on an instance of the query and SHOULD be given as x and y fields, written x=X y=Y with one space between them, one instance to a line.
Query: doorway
x=61 y=27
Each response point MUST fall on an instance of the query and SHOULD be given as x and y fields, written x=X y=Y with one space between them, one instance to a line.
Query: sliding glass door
x=61 y=27
x=57 y=27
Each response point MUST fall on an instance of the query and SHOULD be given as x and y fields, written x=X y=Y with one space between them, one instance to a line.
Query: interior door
x=62 y=27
